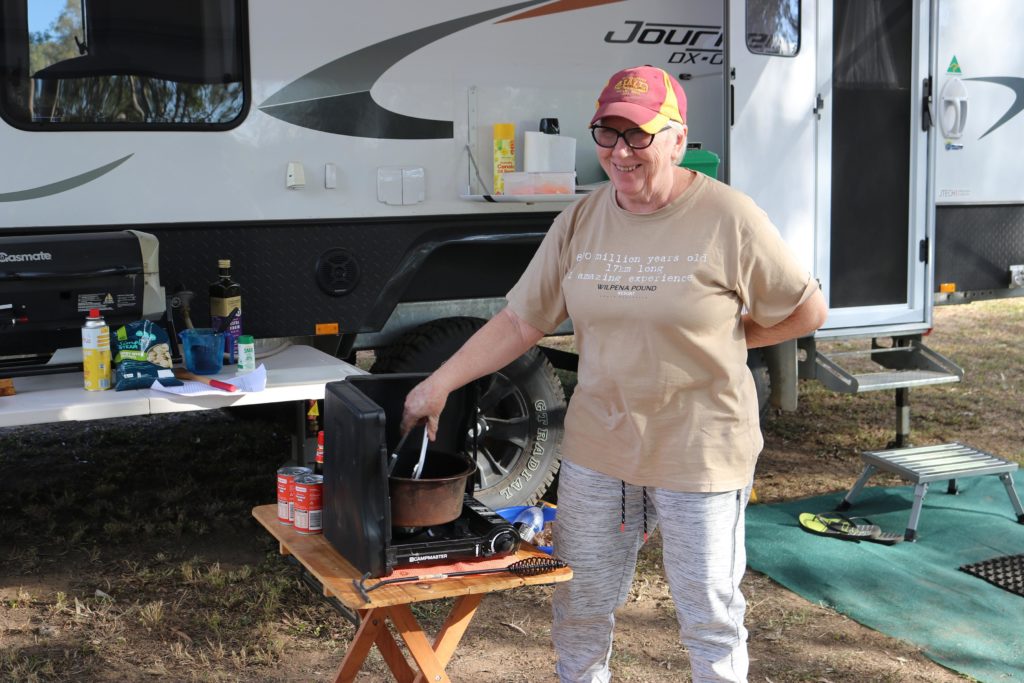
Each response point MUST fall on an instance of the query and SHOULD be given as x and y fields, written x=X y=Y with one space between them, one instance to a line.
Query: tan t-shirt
x=664 y=397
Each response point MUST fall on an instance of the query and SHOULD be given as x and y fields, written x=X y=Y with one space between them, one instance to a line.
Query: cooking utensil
x=182 y=373
x=531 y=566
x=418 y=469
x=394 y=454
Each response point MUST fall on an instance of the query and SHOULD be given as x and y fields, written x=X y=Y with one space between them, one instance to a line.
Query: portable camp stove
x=478 y=532
x=362 y=416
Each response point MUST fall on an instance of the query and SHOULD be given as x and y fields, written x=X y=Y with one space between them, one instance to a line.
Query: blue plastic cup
x=203 y=349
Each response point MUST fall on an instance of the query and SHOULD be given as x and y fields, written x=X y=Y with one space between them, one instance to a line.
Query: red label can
x=286 y=494
x=309 y=497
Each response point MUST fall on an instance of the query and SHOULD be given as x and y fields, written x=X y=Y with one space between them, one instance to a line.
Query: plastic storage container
x=510 y=514
x=550 y=182
x=701 y=160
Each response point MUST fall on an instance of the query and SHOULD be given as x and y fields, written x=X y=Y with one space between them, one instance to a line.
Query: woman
x=669 y=277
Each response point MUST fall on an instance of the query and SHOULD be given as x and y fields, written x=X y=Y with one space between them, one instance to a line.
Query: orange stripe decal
x=558 y=6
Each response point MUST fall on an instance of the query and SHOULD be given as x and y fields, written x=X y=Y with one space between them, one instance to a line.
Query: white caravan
x=340 y=156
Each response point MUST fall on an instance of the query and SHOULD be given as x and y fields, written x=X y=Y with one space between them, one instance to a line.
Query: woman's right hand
x=424 y=403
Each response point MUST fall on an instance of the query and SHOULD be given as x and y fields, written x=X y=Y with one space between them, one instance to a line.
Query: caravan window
x=773 y=27
x=122 y=64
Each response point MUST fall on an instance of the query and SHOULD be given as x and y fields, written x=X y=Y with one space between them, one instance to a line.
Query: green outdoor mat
x=911 y=591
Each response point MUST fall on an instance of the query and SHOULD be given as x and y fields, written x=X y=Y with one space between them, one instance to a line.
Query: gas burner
x=477 y=533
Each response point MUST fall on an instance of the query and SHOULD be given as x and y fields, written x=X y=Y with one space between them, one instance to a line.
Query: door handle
x=953 y=116
x=819 y=105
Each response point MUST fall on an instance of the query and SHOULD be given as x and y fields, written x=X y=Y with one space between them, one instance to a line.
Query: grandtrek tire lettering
x=520 y=411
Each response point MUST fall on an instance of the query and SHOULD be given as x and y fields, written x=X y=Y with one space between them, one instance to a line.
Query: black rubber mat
x=1007 y=572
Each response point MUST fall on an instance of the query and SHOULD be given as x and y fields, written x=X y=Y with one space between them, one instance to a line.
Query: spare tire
x=519 y=418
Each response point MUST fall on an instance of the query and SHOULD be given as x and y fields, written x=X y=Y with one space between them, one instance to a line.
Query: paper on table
x=251 y=381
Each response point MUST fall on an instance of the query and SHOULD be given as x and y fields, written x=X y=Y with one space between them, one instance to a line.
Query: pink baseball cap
x=646 y=95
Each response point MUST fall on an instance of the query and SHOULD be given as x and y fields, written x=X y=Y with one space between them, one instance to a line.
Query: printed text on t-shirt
x=615 y=267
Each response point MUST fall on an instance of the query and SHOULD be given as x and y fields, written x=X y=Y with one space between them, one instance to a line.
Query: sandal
x=886 y=538
x=838 y=526
x=846 y=528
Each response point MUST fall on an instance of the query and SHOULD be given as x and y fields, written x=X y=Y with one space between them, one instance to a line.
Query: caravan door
x=873 y=226
x=827 y=137
x=771 y=154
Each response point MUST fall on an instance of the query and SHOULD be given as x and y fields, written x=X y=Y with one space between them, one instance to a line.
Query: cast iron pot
x=434 y=498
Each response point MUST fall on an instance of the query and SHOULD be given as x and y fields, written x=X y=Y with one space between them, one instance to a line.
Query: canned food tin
x=309 y=496
x=286 y=494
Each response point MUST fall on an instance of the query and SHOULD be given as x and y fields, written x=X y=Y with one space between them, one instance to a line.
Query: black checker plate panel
x=276 y=265
x=976 y=245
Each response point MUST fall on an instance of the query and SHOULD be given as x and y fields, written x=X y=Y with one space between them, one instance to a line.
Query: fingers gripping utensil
x=418 y=469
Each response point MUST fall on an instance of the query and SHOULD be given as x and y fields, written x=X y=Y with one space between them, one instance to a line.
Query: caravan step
x=896 y=367
x=926 y=464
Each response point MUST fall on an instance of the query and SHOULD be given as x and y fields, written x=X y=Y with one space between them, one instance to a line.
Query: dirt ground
x=127 y=552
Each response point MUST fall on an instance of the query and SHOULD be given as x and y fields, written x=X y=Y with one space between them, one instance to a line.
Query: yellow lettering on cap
x=632 y=85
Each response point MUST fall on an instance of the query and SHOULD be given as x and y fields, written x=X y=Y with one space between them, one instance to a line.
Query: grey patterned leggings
x=704 y=559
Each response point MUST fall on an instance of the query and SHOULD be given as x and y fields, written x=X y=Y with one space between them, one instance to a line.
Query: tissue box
x=544 y=153
x=522 y=182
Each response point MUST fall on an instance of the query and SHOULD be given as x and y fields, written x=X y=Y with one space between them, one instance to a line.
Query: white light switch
x=330 y=176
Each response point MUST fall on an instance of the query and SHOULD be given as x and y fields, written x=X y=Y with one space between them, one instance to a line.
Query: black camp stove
x=478 y=532
x=362 y=416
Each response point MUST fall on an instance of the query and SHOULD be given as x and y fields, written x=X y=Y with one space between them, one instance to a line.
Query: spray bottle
x=96 y=365
x=504 y=154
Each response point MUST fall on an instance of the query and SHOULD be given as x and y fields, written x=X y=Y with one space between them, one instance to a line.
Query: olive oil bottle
x=225 y=298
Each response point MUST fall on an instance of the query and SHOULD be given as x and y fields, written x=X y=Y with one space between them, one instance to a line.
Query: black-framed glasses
x=635 y=138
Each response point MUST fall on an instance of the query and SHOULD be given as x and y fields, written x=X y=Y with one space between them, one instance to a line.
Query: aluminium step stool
x=925 y=464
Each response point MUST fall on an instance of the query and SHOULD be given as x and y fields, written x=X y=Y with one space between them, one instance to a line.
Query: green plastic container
x=702 y=160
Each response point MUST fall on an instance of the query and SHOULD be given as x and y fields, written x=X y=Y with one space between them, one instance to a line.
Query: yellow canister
x=504 y=154
x=96 y=364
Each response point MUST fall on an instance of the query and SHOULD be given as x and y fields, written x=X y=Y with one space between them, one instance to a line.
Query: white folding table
x=295 y=373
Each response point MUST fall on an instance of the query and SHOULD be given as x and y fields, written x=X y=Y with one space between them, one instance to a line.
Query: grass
x=127 y=551
x=126 y=506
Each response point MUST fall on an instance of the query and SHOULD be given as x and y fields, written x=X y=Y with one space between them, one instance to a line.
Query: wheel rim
x=503 y=431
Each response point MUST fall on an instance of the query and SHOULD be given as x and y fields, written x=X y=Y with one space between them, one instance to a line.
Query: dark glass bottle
x=225 y=298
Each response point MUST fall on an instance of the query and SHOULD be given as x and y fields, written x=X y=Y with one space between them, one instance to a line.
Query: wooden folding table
x=392 y=602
